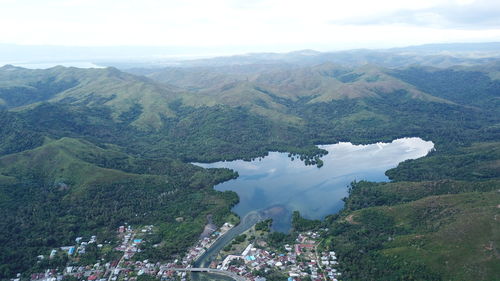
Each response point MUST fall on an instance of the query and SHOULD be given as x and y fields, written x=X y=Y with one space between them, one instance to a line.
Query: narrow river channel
x=204 y=261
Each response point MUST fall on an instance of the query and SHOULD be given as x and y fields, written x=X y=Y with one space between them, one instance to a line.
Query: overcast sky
x=249 y=25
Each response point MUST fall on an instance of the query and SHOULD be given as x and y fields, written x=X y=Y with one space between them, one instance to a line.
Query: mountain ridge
x=84 y=150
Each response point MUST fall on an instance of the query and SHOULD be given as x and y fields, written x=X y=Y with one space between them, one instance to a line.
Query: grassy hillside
x=477 y=162
x=280 y=95
x=466 y=86
x=68 y=188
x=320 y=83
x=123 y=93
x=84 y=150
x=443 y=229
x=445 y=237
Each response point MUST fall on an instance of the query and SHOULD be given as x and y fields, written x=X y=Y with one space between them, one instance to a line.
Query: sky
x=246 y=25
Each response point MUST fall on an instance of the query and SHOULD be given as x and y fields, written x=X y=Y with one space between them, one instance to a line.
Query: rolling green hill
x=123 y=93
x=84 y=150
x=443 y=237
x=425 y=228
x=321 y=83
x=68 y=187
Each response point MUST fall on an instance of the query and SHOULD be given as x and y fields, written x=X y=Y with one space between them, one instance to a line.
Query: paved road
x=121 y=259
x=206 y=258
x=211 y=270
x=246 y=223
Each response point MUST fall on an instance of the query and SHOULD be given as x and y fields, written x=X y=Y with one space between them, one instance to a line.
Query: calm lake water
x=276 y=186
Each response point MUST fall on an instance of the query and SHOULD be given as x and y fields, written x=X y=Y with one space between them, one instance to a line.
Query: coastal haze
x=141 y=60
x=98 y=147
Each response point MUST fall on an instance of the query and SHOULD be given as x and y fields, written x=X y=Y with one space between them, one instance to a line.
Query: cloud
x=461 y=14
x=248 y=26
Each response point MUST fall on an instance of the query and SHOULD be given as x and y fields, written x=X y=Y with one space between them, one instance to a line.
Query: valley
x=277 y=184
x=83 y=151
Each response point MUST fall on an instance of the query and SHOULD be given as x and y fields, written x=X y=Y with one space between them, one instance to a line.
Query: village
x=298 y=261
x=124 y=267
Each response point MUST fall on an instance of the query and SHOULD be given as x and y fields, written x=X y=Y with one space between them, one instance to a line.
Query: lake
x=276 y=185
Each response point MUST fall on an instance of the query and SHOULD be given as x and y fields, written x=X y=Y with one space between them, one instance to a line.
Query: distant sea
x=45 y=65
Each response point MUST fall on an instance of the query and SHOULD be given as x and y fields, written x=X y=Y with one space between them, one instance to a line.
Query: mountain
x=281 y=93
x=125 y=57
x=84 y=150
x=492 y=47
x=466 y=86
x=323 y=82
x=274 y=108
x=437 y=55
x=123 y=93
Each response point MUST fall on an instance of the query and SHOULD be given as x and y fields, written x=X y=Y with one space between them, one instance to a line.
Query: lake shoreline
x=408 y=145
x=281 y=180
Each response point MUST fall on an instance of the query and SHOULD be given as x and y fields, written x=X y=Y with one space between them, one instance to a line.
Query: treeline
x=41 y=213
x=462 y=87
x=476 y=162
x=358 y=247
x=301 y=224
x=394 y=230
x=219 y=132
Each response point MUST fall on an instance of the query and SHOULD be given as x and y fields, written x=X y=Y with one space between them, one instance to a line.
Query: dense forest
x=420 y=229
x=83 y=151
x=440 y=226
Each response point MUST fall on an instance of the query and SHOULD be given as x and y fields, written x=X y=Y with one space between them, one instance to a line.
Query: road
x=112 y=269
x=246 y=223
x=204 y=260
x=211 y=270
x=318 y=257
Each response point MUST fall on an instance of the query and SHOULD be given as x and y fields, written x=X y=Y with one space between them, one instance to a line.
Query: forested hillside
x=68 y=187
x=437 y=221
x=84 y=150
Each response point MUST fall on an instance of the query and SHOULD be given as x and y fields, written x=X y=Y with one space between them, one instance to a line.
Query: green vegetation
x=440 y=229
x=264 y=225
x=421 y=240
x=463 y=87
x=278 y=239
x=84 y=150
x=476 y=162
x=239 y=239
x=300 y=224
x=271 y=275
x=67 y=188
x=146 y=277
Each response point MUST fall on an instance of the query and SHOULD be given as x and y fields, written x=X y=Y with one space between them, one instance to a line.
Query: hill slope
x=70 y=187
x=83 y=150
x=123 y=93
x=438 y=224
